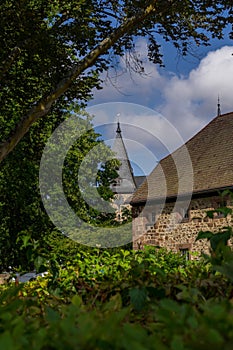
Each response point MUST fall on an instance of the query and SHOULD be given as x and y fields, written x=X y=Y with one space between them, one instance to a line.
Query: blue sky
x=178 y=100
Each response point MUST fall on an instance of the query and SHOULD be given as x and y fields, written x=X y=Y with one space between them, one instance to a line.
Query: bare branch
x=111 y=14
x=63 y=18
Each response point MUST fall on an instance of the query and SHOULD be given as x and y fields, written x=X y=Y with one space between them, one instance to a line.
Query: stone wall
x=177 y=228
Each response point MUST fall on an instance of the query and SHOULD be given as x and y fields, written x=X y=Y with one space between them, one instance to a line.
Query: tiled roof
x=211 y=153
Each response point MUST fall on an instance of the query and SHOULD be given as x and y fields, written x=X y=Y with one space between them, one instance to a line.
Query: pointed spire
x=118 y=130
x=219 y=108
x=118 y=124
x=125 y=182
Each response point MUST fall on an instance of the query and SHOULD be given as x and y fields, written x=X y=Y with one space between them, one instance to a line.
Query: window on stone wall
x=185 y=252
x=185 y=249
x=151 y=220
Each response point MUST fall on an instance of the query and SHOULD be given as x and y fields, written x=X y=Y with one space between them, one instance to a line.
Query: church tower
x=125 y=182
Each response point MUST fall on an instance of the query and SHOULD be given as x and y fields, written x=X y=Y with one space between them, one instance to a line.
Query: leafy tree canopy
x=26 y=232
x=51 y=52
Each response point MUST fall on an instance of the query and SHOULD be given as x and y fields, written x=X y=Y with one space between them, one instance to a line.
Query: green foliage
x=221 y=256
x=25 y=226
x=220 y=252
x=119 y=299
x=218 y=239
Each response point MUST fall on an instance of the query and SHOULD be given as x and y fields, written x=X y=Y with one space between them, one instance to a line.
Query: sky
x=165 y=107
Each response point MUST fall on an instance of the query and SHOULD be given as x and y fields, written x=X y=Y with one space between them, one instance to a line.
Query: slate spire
x=125 y=182
x=118 y=130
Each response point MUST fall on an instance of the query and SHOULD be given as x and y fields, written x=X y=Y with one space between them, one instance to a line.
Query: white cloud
x=188 y=102
x=142 y=130
x=191 y=102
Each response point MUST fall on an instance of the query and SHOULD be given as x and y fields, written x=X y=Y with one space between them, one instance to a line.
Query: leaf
x=226 y=193
x=40 y=263
x=77 y=300
x=138 y=298
x=210 y=213
x=204 y=234
x=220 y=238
x=224 y=210
x=25 y=240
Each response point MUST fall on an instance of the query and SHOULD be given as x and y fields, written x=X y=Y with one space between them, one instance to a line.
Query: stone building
x=169 y=209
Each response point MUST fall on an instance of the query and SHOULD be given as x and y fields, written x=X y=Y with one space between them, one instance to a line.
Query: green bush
x=119 y=299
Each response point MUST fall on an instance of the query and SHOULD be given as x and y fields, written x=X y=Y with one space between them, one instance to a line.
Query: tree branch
x=64 y=17
x=44 y=105
x=110 y=14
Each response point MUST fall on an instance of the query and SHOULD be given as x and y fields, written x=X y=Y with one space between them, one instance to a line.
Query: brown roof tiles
x=211 y=153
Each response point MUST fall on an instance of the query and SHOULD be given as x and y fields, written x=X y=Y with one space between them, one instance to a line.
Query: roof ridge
x=194 y=136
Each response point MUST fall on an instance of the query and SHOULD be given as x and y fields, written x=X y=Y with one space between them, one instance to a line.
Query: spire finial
x=118 y=124
x=219 y=108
